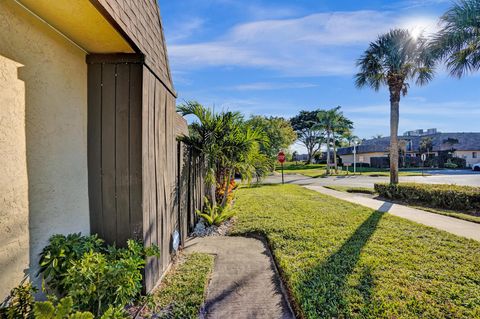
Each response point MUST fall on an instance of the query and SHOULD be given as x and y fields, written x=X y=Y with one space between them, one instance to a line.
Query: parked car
x=476 y=167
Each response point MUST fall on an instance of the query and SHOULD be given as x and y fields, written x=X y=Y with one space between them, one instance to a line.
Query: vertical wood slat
x=152 y=180
x=122 y=167
x=172 y=169
x=135 y=156
x=136 y=166
x=95 y=147
x=108 y=152
x=168 y=192
x=160 y=170
x=146 y=176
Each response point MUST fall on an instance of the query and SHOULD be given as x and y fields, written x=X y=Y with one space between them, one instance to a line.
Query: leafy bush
x=20 y=303
x=94 y=275
x=64 y=310
x=452 y=197
x=460 y=162
x=450 y=165
x=98 y=280
x=214 y=214
x=57 y=257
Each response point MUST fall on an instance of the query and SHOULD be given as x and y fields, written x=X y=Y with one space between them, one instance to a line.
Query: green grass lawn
x=341 y=260
x=319 y=170
x=365 y=190
x=183 y=289
x=352 y=189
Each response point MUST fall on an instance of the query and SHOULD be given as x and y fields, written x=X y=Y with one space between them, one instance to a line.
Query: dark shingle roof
x=140 y=21
x=466 y=142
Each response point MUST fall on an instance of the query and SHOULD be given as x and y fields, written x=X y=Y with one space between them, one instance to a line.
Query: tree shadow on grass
x=324 y=289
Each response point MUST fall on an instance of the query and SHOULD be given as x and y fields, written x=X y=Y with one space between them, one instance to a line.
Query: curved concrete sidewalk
x=244 y=283
x=452 y=225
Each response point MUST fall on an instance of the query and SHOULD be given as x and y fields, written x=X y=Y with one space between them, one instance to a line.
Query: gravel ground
x=201 y=230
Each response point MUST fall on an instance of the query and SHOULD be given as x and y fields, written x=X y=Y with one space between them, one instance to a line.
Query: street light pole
x=354 y=158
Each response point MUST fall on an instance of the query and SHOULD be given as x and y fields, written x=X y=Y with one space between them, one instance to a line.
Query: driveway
x=468 y=178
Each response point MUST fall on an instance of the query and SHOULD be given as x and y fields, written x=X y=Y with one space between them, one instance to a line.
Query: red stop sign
x=281 y=157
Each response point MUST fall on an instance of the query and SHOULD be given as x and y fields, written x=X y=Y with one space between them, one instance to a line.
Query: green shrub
x=452 y=197
x=57 y=257
x=450 y=165
x=94 y=275
x=98 y=280
x=20 y=303
x=64 y=310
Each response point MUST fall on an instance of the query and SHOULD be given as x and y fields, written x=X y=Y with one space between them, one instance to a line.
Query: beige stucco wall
x=468 y=156
x=362 y=157
x=43 y=140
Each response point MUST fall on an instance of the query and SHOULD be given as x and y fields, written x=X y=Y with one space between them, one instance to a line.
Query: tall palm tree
x=392 y=60
x=326 y=121
x=334 y=123
x=349 y=138
x=458 y=42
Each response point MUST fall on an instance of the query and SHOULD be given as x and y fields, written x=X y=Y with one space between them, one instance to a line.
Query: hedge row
x=452 y=197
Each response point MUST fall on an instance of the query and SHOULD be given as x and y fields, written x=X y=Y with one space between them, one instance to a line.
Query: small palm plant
x=213 y=214
x=226 y=143
x=458 y=42
x=392 y=60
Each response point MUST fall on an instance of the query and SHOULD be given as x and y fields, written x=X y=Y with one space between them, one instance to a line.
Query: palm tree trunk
x=394 y=118
x=335 y=153
x=227 y=186
x=328 y=153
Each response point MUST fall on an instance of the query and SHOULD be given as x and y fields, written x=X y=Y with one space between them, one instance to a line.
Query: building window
x=474 y=154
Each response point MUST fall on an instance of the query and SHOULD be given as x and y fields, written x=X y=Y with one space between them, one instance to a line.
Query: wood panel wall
x=143 y=183
x=114 y=149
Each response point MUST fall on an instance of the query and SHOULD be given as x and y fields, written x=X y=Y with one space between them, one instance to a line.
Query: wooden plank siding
x=143 y=183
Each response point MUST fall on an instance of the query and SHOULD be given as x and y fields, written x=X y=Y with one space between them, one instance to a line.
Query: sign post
x=424 y=158
x=281 y=159
x=354 y=158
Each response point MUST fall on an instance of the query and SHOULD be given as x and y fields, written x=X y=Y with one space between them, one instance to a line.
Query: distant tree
x=305 y=124
x=426 y=145
x=349 y=138
x=458 y=41
x=334 y=123
x=450 y=142
x=393 y=59
x=377 y=136
x=294 y=156
x=278 y=131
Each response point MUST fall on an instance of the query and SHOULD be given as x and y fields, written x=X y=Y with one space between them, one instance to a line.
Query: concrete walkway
x=244 y=283
x=452 y=225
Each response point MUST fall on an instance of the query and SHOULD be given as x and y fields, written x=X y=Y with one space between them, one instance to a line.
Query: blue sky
x=279 y=57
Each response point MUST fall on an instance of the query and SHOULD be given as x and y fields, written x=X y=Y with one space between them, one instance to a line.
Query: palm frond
x=395 y=57
x=458 y=41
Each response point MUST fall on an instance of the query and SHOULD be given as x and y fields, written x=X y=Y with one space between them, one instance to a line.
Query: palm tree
x=334 y=123
x=349 y=138
x=458 y=42
x=393 y=59
x=226 y=143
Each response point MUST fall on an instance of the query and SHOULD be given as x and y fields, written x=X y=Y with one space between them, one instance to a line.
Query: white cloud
x=263 y=86
x=417 y=107
x=185 y=29
x=314 y=45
